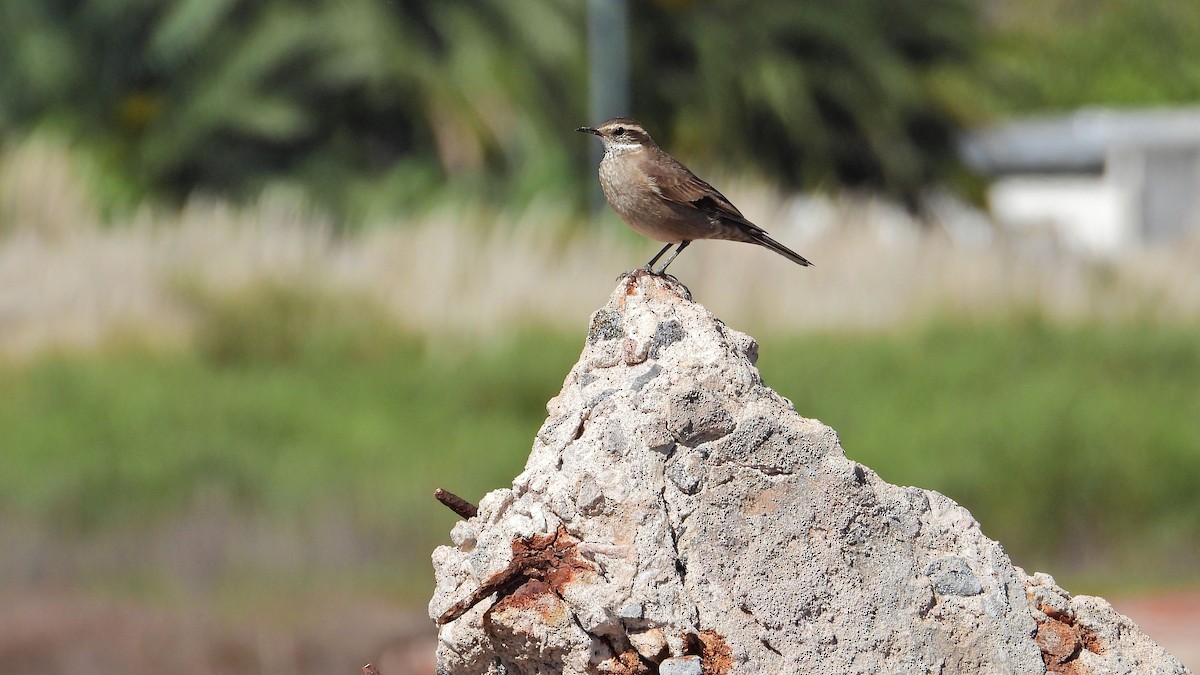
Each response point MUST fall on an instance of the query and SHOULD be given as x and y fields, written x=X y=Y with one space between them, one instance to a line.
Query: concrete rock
x=684 y=665
x=673 y=506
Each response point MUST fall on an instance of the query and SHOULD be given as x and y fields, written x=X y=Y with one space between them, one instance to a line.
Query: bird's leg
x=662 y=271
x=650 y=265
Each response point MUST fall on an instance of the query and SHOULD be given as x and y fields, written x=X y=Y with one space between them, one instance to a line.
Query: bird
x=660 y=198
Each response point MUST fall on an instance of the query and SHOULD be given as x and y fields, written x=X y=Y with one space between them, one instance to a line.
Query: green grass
x=1076 y=447
x=91 y=443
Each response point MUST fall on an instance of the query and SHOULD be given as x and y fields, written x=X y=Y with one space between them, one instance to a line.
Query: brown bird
x=660 y=198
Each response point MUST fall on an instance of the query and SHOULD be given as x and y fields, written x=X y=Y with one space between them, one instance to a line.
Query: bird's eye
x=619 y=131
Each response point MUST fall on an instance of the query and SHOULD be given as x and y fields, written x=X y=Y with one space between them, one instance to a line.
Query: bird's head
x=621 y=134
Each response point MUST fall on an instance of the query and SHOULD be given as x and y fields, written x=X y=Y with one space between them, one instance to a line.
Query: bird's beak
x=589 y=130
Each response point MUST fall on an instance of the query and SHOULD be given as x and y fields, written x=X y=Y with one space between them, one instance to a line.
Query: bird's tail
x=762 y=239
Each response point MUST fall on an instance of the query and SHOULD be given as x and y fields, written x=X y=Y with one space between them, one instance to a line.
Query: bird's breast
x=632 y=194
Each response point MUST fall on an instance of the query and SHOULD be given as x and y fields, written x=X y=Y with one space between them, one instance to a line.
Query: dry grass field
x=67 y=280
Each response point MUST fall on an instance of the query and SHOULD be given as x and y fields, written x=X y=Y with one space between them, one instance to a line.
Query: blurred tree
x=225 y=95
x=385 y=103
x=816 y=94
x=1062 y=54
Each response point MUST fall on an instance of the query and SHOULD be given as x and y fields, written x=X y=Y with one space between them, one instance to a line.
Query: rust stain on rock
x=1061 y=640
x=535 y=596
x=551 y=560
x=1091 y=641
x=1058 y=642
x=715 y=656
x=628 y=663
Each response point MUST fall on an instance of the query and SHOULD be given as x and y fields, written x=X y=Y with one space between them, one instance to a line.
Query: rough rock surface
x=674 y=507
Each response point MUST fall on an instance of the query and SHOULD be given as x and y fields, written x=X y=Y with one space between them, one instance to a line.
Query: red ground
x=1170 y=619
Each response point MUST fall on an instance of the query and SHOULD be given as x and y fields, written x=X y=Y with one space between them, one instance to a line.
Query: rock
x=684 y=665
x=674 y=507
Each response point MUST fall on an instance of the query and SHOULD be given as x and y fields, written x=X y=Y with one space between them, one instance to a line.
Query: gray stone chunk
x=686 y=509
x=952 y=575
x=684 y=665
x=606 y=325
x=666 y=334
x=641 y=380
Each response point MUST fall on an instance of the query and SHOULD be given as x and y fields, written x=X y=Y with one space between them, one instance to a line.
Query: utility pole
x=608 y=72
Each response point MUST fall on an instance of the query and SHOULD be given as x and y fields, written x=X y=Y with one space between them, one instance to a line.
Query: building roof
x=1076 y=142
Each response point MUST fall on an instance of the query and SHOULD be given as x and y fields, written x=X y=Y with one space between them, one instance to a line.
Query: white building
x=1100 y=179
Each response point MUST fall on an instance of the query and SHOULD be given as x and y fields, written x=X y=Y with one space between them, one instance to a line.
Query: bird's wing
x=674 y=182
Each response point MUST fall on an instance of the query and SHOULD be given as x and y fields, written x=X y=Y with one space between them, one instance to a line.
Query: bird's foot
x=635 y=273
x=662 y=274
x=669 y=277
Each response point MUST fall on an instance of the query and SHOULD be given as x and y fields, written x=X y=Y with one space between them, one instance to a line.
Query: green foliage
x=377 y=106
x=226 y=95
x=1071 y=445
x=96 y=447
x=276 y=322
x=838 y=93
x=1063 y=54
x=380 y=107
